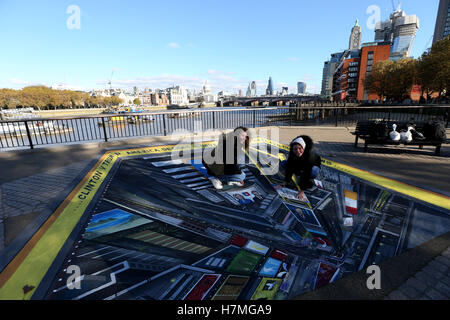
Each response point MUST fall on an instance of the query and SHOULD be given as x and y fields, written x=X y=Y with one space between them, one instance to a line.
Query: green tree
x=377 y=82
x=402 y=78
x=114 y=100
x=425 y=73
x=137 y=101
x=440 y=55
x=392 y=79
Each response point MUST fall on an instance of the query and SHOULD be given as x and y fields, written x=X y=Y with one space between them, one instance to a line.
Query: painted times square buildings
x=160 y=231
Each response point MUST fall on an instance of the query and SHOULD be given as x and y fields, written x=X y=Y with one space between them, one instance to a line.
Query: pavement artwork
x=141 y=226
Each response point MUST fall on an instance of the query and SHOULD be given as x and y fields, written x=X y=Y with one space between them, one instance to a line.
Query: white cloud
x=293 y=59
x=16 y=83
x=173 y=45
x=218 y=81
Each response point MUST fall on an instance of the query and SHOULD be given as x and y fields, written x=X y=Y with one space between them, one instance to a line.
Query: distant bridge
x=267 y=100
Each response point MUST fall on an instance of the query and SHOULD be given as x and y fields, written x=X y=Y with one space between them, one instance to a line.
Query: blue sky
x=159 y=43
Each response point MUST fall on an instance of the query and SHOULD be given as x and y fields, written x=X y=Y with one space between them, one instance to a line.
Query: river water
x=92 y=129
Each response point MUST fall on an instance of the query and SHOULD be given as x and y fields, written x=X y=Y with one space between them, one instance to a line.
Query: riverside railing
x=34 y=132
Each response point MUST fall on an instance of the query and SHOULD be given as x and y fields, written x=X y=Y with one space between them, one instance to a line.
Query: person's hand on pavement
x=301 y=195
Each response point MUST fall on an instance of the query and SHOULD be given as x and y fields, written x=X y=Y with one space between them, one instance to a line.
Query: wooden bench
x=363 y=130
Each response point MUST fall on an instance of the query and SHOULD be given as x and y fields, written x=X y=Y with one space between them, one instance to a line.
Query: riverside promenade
x=33 y=181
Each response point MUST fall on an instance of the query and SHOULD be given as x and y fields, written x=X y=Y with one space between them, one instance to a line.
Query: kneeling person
x=303 y=162
x=229 y=166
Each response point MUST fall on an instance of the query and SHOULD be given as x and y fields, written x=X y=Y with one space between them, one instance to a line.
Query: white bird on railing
x=394 y=135
x=406 y=136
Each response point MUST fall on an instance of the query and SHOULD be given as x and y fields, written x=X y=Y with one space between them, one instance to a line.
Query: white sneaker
x=216 y=183
x=236 y=183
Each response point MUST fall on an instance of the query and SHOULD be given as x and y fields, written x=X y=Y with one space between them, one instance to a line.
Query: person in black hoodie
x=303 y=162
x=228 y=158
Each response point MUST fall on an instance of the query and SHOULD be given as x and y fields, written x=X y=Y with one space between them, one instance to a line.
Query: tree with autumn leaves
x=393 y=80
x=44 y=98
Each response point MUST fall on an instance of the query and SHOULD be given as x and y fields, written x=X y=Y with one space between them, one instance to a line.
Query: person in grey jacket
x=230 y=160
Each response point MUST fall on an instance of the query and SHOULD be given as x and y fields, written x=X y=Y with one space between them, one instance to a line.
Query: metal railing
x=40 y=132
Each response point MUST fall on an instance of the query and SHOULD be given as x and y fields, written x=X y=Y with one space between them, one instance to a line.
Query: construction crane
x=110 y=81
x=398 y=6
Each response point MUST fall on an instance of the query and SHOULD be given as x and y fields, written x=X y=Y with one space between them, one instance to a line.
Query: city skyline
x=186 y=50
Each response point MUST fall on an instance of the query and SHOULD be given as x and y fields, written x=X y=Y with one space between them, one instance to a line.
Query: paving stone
x=444 y=260
x=446 y=280
x=439 y=266
x=433 y=272
x=446 y=253
x=435 y=295
x=397 y=295
x=426 y=278
x=409 y=291
x=417 y=284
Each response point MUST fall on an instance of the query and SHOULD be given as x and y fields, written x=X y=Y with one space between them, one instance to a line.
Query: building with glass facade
x=269 y=90
x=442 y=28
x=400 y=30
x=251 y=90
x=345 y=77
x=327 y=76
x=301 y=87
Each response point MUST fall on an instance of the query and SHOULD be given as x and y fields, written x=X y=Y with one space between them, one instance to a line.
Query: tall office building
x=327 y=76
x=248 y=93
x=301 y=87
x=326 y=90
x=251 y=90
x=371 y=53
x=400 y=30
x=269 y=90
x=355 y=37
x=442 y=28
x=345 y=76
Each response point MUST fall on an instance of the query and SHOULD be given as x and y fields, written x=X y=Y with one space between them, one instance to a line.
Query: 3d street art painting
x=142 y=226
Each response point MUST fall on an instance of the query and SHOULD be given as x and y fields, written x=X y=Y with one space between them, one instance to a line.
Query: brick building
x=345 y=78
x=371 y=53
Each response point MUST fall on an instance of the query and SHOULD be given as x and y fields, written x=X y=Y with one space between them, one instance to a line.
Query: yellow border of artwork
x=433 y=198
x=31 y=264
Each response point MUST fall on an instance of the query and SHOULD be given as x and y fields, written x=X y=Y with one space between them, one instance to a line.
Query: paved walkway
x=430 y=283
x=23 y=199
x=31 y=180
x=411 y=165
